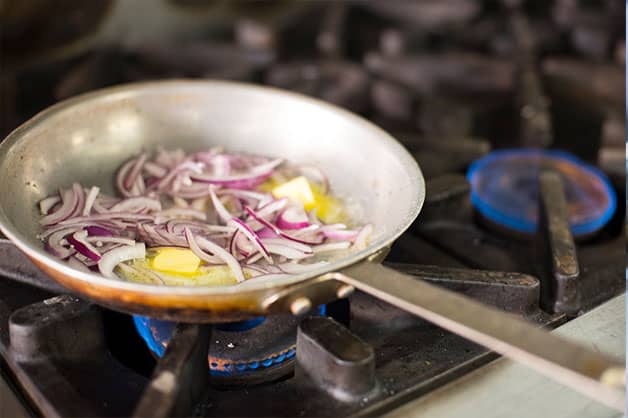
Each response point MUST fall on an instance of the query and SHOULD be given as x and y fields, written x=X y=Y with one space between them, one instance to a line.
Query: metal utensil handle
x=584 y=370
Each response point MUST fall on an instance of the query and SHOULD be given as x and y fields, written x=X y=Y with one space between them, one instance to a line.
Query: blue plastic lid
x=505 y=183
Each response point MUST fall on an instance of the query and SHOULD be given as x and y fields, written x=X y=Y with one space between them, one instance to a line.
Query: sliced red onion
x=176 y=226
x=55 y=245
x=278 y=231
x=108 y=216
x=167 y=214
x=135 y=170
x=287 y=243
x=220 y=252
x=94 y=230
x=139 y=187
x=233 y=248
x=293 y=217
x=78 y=240
x=253 y=178
x=271 y=207
x=48 y=203
x=116 y=256
x=69 y=201
x=136 y=204
x=79 y=192
x=266 y=233
x=97 y=225
x=221 y=165
x=254 y=258
x=286 y=251
x=155 y=169
x=122 y=175
x=346 y=235
x=184 y=167
x=248 y=232
x=198 y=251
x=223 y=213
x=333 y=246
x=116 y=240
x=90 y=199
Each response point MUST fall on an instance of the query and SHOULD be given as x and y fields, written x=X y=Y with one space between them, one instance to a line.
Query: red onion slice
x=48 y=203
x=286 y=251
x=293 y=217
x=333 y=246
x=166 y=215
x=253 y=178
x=278 y=231
x=154 y=169
x=78 y=240
x=107 y=217
x=116 y=256
x=121 y=176
x=90 y=199
x=248 y=232
x=117 y=240
x=287 y=243
x=340 y=234
x=94 y=230
x=136 y=204
x=69 y=201
x=223 y=213
x=135 y=171
x=218 y=251
x=56 y=246
x=79 y=192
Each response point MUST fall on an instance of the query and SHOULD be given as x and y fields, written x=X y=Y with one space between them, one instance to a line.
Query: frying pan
x=86 y=138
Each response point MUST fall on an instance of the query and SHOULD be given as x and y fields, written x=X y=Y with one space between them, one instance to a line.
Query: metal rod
x=589 y=372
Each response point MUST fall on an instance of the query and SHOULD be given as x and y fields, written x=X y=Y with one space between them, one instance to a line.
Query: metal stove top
x=450 y=87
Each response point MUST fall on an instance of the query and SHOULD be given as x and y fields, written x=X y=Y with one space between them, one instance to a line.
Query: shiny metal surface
x=504 y=388
x=587 y=371
x=86 y=138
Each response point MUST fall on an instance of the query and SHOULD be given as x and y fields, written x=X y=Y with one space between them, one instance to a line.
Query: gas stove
x=454 y=82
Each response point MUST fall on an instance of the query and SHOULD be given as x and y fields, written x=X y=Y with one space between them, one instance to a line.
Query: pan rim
x=387 y=238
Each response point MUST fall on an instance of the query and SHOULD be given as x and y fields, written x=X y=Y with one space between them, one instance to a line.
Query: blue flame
x=516 y=207
x=156 y=333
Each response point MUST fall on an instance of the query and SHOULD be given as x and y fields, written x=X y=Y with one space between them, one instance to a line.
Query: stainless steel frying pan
x=86 y=138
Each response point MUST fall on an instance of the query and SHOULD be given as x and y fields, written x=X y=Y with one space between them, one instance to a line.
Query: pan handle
x=589 y=372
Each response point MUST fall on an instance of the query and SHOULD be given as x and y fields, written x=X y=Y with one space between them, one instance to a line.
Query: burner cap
x=240 y=353
x=504 y=189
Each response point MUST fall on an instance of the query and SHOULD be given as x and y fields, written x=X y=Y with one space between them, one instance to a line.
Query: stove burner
x=246 y=352
x=504 y=190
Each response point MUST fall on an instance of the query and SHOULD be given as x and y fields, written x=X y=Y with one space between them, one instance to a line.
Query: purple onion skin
x=98 y=231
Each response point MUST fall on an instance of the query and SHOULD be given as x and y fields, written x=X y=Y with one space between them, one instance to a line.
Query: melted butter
x=328 y=208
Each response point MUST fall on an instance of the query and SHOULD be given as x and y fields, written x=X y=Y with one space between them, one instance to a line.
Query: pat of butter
x=176 y=260
x=299 y=190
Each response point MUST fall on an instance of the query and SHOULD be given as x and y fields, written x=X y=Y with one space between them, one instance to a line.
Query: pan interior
x=86 y=138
